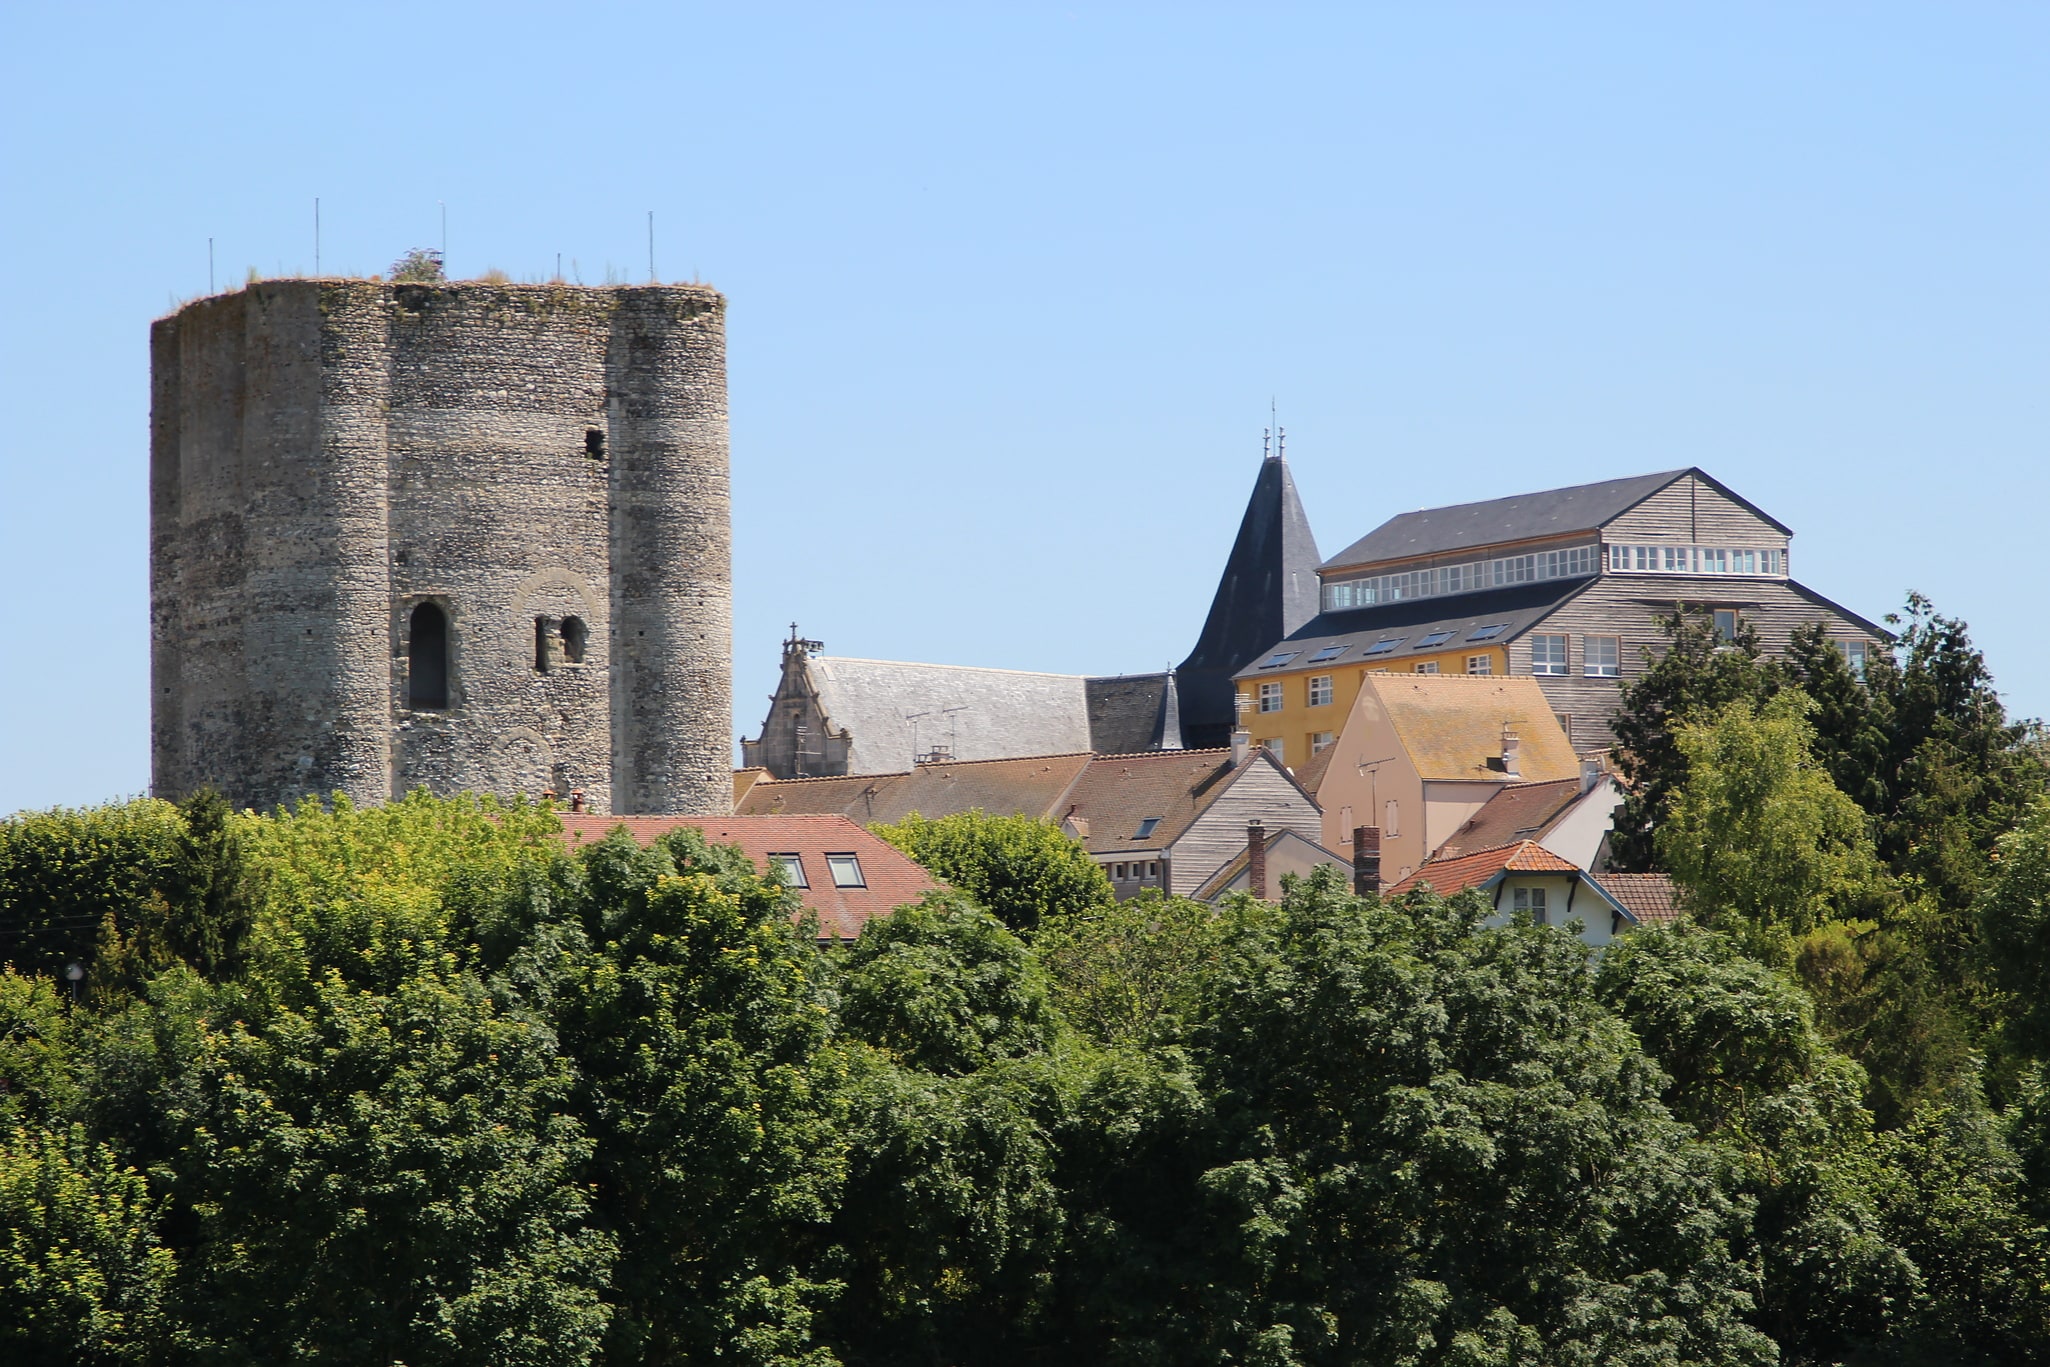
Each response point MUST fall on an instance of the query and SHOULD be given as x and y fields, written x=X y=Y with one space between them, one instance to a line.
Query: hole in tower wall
x=541 y=645
x=427 y=657
x=594 y=443
x=573 y=637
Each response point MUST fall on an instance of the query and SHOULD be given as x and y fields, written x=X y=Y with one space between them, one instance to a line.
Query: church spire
x=1268 y=589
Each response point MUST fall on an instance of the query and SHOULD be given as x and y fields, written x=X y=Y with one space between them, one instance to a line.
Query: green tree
x=2014 y=916
x=1698 y=672
x=1757 y=837
x=67 y=872
x=1134 y=972
x=1020 y=869
x=36 y=1064
x=83 y=1279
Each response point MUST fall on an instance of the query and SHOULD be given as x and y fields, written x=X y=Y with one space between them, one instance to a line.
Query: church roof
x=1126 y=713
x=895 y=711
x=1269 y=588
x=1520 y=517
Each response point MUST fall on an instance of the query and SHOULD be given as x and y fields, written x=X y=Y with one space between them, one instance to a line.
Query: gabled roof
x=1269 y=588
x=1218 y=883
x=892 y=879
x=1515 y=610
x=1522 y=811
x=1649 y=897
x=1450 y=725
x=1116 y=794
x=1520 y=517
x=1481 y=868
x=895 y=710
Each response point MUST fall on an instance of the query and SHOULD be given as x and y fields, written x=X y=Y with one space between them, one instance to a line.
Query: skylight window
x=1146 y=828
x=1488 y=633
x=1278 y=658
x=846 y=871
x=1385 y=644
x=792 y=866
x=1436 y=638
x=1330 y=652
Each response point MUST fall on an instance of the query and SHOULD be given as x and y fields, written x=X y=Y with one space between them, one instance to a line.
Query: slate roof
x=1520 y=517
x=1126 y=713
x=892 y=879
x=981 y=713
x=1450 y=725
x=1268 y=589
x=1519 y=812
x=1515 y=609
x=1648 y=897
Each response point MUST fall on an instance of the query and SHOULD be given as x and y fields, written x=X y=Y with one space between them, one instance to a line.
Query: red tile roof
x=1650 y=897
x=1447 y=876
x=892 y=879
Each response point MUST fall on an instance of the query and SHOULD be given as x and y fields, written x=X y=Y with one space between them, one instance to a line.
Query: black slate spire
x=1269 y=589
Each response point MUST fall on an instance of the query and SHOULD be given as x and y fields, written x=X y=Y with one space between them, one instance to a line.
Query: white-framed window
x=1320 y=690
x=1427 y=667
x=1548 y=654
x=1273 y=747
x=1117 y=871
x=846 y=869
x=1270 y=696
x=1601 y=657
x=1480 y=664
x=1855 y=655
x=1153 y=868
x=792 y=868
x=1320 y=741
x=1726 y=624
x=1532 y=900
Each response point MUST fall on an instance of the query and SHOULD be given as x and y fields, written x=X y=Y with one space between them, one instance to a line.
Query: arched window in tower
x=427 y=657
x=573 y=636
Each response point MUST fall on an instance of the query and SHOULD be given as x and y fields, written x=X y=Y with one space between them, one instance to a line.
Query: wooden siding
x=1692 y=512
x=1624 y=605
x=1261 y=792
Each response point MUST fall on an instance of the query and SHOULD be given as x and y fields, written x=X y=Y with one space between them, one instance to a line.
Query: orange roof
x=1649 y=897
x=1450 y=725
x=1447 y=876
x=892 y=879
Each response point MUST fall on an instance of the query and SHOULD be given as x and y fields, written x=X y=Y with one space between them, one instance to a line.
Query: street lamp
x=75 y=973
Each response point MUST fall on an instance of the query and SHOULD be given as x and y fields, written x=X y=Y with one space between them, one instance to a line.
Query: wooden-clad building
x=1563 y=586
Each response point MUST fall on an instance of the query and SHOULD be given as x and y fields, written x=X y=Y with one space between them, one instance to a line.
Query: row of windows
x=1469 y=578
x=1664 y=559
x=427 y=652
x=1137 y=870
x=1601 y=657
x=845 y=870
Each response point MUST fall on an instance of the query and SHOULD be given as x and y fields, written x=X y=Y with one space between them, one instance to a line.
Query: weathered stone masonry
x=545 y=466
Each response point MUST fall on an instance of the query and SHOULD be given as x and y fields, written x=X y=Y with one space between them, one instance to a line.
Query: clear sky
x=1011 y=287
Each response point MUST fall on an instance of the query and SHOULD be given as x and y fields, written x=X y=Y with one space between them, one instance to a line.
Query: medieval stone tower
x=464 y=536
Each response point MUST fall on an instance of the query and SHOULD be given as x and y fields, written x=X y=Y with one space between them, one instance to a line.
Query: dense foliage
x=419 y=1084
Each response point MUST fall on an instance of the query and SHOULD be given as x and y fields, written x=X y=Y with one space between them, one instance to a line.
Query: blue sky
x=1011 y=288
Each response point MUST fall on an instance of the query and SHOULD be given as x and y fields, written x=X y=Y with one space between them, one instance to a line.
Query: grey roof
x=1269 y=588
x=1516 y=610
x=1125 y=713
x=1520 y=517
x=980 y=713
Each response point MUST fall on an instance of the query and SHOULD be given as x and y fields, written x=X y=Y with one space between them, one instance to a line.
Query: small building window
x=1532 y=900
x=1427 y=667
x=574 y=635
x=1391 y=819
x=1601 y=657
x=594 y=443
x=1146 y=828
x=1726 y=624
x=1320 y=741
x=1273 y=747
x=1854 y=656
x=1480 y=664
x=1118 y=872
x=1270 y=696
x=541 y=634
x=1320 y=691
x=846 y=869
x=427 y=657
x=792 y=868
x=1153 y=869
x=1548 y=654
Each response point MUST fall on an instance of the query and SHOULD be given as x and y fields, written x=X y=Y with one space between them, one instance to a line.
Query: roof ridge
x=925 y=664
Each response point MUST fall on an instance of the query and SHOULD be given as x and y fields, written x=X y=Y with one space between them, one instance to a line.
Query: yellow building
x=1295 y=703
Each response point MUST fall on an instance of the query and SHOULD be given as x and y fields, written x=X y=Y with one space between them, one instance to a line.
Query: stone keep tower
x=461 y=536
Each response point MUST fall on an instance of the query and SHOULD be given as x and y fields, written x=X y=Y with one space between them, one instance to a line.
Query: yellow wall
x=1297 y=721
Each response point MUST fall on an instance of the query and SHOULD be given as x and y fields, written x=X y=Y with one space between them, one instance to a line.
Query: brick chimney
x=1256 y=858
x=1366 y=860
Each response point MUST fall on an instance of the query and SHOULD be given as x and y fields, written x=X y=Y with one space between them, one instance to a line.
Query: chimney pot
x=1510 y=746
x=1590 y=774
x=1366 y=861
x=1256 y=858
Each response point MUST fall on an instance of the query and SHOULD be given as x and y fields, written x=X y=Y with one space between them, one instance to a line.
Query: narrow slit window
x=574 y=636
x=594 y=443
x=427 y=657
x=540 y=645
